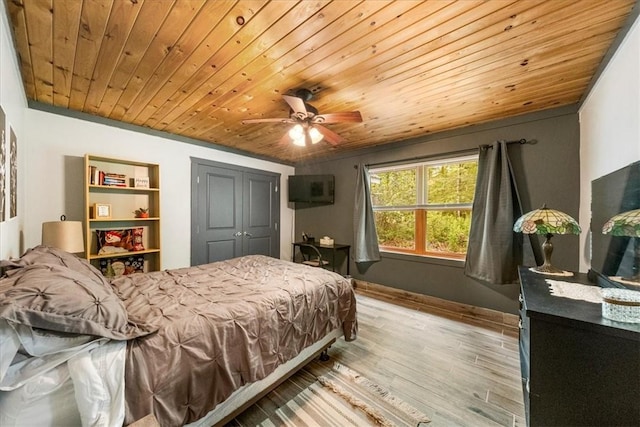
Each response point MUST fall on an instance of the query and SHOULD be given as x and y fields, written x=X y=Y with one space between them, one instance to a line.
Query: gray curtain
x=494 y=250
x=365 y=237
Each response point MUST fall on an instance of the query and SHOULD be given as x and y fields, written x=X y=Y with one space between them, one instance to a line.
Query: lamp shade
x=315 y=135
x=627 y=224
x=546 y=221
x=65 y=235
x=623 y=224
x=299 y=134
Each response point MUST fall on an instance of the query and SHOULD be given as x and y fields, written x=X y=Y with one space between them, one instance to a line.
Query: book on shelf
x=93 y=175
x=114 y=181
x=98 y=177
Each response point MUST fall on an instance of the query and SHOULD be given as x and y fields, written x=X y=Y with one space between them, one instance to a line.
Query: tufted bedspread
x=223 y=325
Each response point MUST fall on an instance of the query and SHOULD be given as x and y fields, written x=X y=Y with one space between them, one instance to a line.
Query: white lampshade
x=315 y=135
x=298 y=135
x=65 y=235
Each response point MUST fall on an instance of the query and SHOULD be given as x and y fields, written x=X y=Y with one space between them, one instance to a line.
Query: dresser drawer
x=578 y=369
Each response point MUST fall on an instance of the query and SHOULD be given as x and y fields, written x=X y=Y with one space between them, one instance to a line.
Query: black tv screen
x=311 y=189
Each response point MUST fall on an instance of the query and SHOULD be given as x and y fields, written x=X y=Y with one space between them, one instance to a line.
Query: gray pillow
x=43 y=254
x=57 y=298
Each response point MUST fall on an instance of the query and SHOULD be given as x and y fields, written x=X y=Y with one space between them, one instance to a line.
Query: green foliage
x=396 y=228
x=396 y=188
x=448 y=231
x=451 y=183
x=446 y=183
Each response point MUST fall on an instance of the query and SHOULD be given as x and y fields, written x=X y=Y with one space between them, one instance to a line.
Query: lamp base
x=546 y=267
x=550 y=271
x=634 y=281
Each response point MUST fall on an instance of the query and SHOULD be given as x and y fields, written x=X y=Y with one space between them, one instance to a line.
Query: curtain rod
x=518 y=141
x=445 y=154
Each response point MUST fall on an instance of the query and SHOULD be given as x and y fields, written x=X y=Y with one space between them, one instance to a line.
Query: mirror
x=612 y=194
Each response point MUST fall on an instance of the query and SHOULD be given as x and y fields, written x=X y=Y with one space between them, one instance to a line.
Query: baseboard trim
x=494 y=319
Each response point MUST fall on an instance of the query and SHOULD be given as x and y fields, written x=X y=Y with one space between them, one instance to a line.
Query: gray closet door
x=260 y=216
x=235 y=212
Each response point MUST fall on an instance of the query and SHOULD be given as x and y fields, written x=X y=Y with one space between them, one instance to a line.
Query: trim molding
x=492 y=319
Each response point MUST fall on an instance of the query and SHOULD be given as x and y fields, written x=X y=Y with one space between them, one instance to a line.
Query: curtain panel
x=494 y=250
x=365 y=238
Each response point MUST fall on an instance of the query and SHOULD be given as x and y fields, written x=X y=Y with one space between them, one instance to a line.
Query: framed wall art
x=101 y=211
x=141 y=182
x=3 y=163
x=13 y=174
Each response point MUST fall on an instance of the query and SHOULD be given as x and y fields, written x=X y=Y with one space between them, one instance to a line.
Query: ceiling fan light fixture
x=315 y=135
x=308 y=127
x=299 y=142
x=296 y=133
x=299 y=138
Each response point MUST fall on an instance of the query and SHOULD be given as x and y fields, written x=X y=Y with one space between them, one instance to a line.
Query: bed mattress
x=221 y=326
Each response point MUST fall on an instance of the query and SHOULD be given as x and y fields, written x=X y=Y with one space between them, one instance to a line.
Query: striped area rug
x=341 y=397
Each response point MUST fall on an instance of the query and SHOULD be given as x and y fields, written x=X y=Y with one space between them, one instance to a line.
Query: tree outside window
x=425 y=208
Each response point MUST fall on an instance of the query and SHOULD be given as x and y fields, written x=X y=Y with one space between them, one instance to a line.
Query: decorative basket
x=621 y=305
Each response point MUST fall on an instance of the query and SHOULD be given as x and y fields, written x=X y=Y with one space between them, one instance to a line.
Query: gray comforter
x=223 y=325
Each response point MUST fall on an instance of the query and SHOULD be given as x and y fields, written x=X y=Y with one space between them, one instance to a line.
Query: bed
x=192 y=346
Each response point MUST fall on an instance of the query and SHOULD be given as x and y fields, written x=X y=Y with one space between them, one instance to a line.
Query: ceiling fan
x=308 y=126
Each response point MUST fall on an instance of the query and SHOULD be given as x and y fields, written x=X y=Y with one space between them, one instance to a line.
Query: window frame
x=422 y=207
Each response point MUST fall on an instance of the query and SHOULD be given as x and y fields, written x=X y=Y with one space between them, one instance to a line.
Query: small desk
x=324 y=248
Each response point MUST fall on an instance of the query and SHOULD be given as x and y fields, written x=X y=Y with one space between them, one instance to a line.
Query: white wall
x=609 y=126
x=14 y=104
x=55 y=154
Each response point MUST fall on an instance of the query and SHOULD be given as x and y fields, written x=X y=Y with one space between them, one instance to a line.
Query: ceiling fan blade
x=268 y=120
x=349 y=116
x=296 y=104
x=331 y=137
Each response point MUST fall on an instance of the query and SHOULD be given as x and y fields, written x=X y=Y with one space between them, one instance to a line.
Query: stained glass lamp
x=548 y=222
x=627 y=224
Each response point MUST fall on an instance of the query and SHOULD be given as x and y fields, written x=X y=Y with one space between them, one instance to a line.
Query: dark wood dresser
x=578 y=368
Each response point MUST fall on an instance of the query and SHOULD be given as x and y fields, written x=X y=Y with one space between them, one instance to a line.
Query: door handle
x=248 y=234
x=237 y=234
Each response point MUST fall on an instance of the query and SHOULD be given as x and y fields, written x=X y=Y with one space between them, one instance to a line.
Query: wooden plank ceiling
x=198 y=68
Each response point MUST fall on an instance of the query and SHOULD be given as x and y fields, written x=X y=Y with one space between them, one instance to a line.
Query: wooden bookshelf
x=110 y=205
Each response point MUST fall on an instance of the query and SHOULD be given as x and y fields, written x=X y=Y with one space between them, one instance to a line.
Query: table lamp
x=548 y=222
x=627 y=224
x=63 y=234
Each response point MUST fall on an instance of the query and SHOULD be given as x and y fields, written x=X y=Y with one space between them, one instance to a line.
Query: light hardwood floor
x=457 y=369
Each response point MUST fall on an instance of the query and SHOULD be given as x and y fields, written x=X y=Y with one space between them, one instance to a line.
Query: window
x=425 y=208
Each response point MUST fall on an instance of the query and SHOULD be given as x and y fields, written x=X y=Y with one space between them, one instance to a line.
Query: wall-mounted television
x=311 y=189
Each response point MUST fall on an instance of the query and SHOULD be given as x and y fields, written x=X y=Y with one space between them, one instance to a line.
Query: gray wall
x=547 y=172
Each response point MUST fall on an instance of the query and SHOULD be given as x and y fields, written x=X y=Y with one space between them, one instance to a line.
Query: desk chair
x=311 y=256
